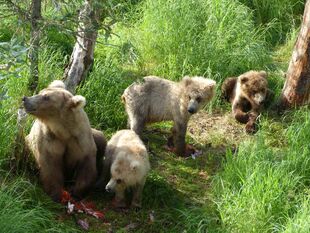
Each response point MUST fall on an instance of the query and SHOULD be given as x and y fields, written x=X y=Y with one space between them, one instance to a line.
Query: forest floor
x=177 y=189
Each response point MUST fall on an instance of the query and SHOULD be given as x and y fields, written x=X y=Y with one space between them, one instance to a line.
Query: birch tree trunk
x=296 y=90
x=82 y=56
x=34 y=45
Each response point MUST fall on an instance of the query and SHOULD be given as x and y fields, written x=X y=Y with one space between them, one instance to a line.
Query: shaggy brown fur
x=128 y=164
x=62 y=141
x=158 y=99
x=247 y=93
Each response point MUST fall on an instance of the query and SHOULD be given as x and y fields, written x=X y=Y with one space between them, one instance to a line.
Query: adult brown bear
x=62 y=141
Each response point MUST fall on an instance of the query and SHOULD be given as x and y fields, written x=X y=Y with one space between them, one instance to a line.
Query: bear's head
x=127 y=171
x=199 y=91
x=254 y=85
x=52 y=101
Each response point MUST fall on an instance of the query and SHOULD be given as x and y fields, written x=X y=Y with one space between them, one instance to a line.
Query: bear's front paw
x=252 y=116
x=251 y=128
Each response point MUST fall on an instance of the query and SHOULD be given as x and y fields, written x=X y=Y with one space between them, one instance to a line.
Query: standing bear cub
x=247 y=93
x=157 y=99
x=62 y=141
x=126 y=165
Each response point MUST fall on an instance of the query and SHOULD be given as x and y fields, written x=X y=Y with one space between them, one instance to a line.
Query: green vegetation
x=23 y=210
x=104 y=103
x=278 y=17
x=248 y=184
x=263 y=183
x=199 y=37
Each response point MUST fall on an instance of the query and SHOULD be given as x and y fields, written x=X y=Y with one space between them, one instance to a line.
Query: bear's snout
x=28 y=105
x=259 y=98
x=192 y=106
x=110 y=186
x=191 y=110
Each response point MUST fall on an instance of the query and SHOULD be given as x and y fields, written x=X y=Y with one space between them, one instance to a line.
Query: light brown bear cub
x=157 y=99
x=247 y=93
x=128 y=162
x=62 y=141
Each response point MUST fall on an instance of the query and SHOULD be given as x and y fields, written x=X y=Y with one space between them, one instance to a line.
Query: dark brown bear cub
x=247 y=93
x=62 y=141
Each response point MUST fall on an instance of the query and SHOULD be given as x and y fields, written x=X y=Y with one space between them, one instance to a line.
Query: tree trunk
x=82 y=56
x=19 y=158
x=34 y=45
x=296 y=89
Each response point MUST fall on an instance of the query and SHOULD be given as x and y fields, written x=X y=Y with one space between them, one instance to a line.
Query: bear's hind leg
x=85 y=176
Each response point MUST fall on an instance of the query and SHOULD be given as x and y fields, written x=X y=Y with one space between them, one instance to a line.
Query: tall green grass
x=14 y=88
x=300 y=221
x=174 y=38
x=277 y=16
x=103 y=90
x=52 y=63
x=262 y=185
x=21 y=211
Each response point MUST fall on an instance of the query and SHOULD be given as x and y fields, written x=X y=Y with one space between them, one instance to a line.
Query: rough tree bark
x=296 y=90
x=82 y=56
x=19 y=157
x=34 y=45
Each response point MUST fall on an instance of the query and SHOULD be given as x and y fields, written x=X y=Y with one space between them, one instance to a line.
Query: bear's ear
x=244 y=79
x=77 y=101
x=187 y=80
x=210 y=83
x=57 y=84
x=134 y=165
x=263 y=73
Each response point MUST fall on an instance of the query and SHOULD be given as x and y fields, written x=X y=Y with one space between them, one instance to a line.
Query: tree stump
x=296 y=89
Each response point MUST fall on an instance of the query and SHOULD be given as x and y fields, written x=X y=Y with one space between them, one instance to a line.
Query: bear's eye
x=198 y=99
x=46 y=97
x=118 y=181
x=189 y=98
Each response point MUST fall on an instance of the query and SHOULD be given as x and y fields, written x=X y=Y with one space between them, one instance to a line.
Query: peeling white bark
x=83 y=53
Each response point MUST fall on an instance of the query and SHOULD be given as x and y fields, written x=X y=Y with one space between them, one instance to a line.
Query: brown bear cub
x=157 y=99
x=62 y=141
x=247 y=93
x=126 y=165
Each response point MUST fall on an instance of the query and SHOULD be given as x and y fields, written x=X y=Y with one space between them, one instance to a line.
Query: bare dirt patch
x=216 y=129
